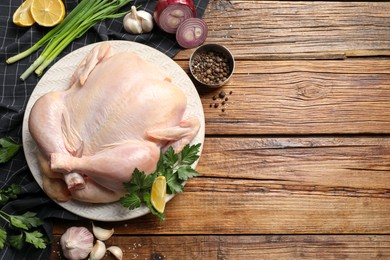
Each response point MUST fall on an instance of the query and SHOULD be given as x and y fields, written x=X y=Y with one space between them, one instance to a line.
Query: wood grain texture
x=297 y=166
x=302 y=97
x=257 y=30
x=281 y=186
x=248 y=247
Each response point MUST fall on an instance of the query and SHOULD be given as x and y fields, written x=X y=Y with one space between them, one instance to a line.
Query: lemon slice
x=159 y=194
x=48 y=12
x=22 y=16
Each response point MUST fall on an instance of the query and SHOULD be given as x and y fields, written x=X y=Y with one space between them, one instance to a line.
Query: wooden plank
x=311 y=163
x=302 y=97
x=247 y=247
x=280 y=186
x=262 y=208
x=298 y=30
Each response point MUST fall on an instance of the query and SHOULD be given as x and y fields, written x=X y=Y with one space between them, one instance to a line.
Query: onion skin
x=191 y=33
x=165 y=10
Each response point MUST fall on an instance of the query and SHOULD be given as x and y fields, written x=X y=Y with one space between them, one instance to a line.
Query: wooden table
x=298 y=165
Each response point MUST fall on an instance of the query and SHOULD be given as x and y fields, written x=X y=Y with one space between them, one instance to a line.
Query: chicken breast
x=119 y=112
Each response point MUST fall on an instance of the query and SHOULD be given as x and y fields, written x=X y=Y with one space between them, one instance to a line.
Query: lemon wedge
x=48 y=13
x=159 y=193
x=22 y=16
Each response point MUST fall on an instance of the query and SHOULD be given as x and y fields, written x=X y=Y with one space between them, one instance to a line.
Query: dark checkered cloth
x=14 y=95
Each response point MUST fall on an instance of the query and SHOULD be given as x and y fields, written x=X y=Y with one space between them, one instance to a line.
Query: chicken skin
x=118 y=114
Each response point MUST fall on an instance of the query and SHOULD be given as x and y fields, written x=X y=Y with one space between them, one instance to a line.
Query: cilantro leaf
x=8 y=148
x=16 y=241
x=189 y=154
x=131 y=201
x=186 y=172
x=35 y=238
x=3 y=237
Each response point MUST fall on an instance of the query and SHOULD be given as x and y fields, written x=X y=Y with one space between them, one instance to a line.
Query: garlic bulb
x=116 y=251
x=101 y=233
x=98 y=251
x=76 y=243
x=138 y=22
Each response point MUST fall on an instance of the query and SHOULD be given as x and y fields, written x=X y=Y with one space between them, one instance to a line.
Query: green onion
x=85 y=15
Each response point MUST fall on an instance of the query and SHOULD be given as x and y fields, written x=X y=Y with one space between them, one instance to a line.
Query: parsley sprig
x=177 y=168
x=8 y=148
x=22 y=227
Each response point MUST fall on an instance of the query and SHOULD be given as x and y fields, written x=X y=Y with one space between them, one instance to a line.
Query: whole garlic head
x=76 y=243
x=137 y=22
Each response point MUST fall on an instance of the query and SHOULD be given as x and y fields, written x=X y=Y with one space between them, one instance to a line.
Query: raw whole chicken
x=119 y=112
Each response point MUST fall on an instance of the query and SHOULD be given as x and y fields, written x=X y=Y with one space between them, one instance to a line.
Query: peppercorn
x=210 y=67
x=222 y=94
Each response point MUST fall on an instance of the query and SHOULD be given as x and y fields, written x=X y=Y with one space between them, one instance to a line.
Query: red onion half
x=191 y=33
x=169 y=14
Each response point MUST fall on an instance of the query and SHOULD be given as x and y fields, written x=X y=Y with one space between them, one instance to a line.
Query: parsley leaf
x=131 y=201
x=3 y=237
x=169 y=157
x=36 y=238
x=8 y=148
x=25 y=221
x=186 y=172
x=174 y=185
x=22 y=225
x=8 y=193
x=189 y=154
x=16 y=241
x=175 y=167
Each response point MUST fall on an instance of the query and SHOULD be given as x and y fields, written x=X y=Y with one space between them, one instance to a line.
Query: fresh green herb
x=8 y=193
x=8 y=148
x=85 y=15
x=21 y=226
x=175 y=167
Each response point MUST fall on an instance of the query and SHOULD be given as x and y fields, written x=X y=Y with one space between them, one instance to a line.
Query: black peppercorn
x=210 y=67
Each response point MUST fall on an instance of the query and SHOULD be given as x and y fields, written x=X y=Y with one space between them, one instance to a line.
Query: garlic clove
x=76 y=243
x=98 y=251
x=147 y=25
x=101 y=233
x=132 y=26
x=146 y=20
x=116 y=251
x=134 y=13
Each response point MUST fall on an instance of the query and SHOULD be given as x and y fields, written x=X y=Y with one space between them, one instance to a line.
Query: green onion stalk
x=84 y=16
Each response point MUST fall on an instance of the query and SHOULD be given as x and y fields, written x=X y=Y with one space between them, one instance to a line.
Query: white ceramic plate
x=57 y=78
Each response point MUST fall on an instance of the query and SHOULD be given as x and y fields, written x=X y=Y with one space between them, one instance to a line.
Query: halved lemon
x=22 y=16
x=48 y=12
x=159 y=193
